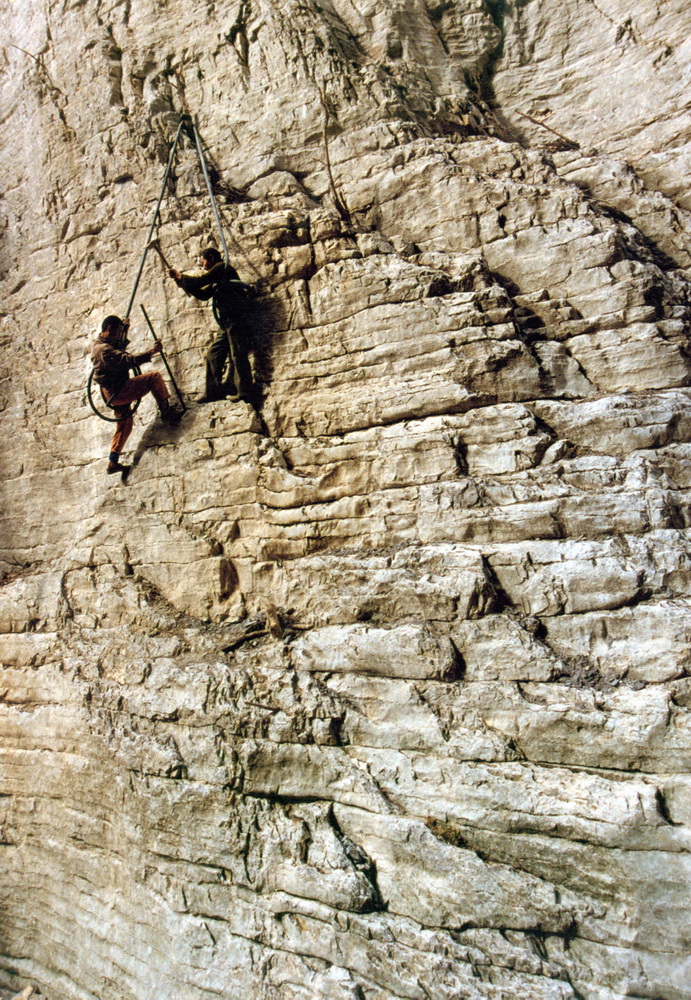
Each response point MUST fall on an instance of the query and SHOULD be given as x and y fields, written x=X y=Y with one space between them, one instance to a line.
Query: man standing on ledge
x=221 y=283
x=112 y=365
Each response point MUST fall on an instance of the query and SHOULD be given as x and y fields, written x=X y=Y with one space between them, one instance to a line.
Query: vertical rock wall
x=379 y=689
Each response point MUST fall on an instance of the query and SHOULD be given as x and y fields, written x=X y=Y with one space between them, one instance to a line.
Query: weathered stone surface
x=405 y=651
x=377 y=688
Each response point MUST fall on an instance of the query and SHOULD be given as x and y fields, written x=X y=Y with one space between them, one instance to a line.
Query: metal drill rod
x=210 y=190
x=155 y=245
x=164 y=359
x=184 y=119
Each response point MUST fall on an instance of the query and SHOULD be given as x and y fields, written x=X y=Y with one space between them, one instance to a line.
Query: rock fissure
x=380 y=689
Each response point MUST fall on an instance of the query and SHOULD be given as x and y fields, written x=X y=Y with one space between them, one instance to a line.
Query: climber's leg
x=215 y=361
x=123 y=429
x=152 y=382
x=133 y=389
x=138 y=386
x=241 y=365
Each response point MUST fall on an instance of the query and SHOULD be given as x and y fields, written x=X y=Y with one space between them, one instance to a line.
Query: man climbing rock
x=112 y=365
x=221 y=283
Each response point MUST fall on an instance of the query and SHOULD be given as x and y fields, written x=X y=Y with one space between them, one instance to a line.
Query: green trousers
x=238 y=380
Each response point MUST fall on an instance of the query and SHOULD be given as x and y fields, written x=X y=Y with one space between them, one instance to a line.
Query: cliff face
x=381 y=689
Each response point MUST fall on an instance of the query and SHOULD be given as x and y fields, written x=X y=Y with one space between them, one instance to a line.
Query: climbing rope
x=187 y=123
x=211 y=191
x=97 y=400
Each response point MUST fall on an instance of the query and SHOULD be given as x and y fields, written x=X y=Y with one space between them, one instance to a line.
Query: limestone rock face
x=377 y=688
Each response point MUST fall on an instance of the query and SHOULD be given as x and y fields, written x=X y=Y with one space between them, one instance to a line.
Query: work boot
x=114 y=467
x=169 y=414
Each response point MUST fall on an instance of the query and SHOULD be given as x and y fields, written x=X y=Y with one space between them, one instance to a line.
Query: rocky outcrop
x=378 y=688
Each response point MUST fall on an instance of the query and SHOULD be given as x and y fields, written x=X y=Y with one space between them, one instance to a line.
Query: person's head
x=113 y=328
x=209 y=257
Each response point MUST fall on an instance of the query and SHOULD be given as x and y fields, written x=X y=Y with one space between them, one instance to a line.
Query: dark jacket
x=222 y=284
x=112 y=366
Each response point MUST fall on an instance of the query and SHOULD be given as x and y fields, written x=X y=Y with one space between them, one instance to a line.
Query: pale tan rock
x=398 y=846
x=25 y=993
x=405 y=651
x=379 y=689
x=650 y=48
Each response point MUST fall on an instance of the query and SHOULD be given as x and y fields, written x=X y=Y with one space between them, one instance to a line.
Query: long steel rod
x=210 y=190
x=183 y=120
x=164 y=358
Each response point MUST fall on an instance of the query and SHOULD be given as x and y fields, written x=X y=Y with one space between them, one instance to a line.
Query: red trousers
x=133 y=389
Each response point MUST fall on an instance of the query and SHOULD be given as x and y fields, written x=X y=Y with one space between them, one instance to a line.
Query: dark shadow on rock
x=647 y=245
x=158 y=433
x=526 y=320
x=256 y=327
